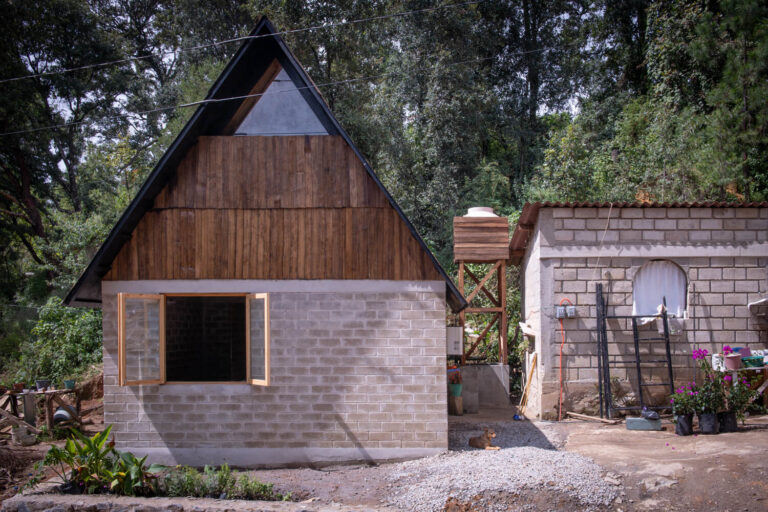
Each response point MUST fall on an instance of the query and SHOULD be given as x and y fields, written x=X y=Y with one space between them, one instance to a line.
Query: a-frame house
x=265 y=301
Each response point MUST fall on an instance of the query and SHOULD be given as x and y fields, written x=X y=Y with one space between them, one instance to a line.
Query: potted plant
x=683 y=406
x=710 y=398
x=454 y=382
x=21 y=378
x=42 y=384
x=738 y=395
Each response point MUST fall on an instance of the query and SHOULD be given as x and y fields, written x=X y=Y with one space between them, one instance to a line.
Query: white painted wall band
x=271 y=286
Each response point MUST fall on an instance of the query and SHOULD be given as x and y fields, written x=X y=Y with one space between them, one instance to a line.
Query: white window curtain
x=653 y=282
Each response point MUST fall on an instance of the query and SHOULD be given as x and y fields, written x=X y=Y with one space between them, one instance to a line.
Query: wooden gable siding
x=271 y=172
x=291 y=207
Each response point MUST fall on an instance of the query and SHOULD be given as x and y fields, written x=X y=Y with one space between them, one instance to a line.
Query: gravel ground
x=528 y=461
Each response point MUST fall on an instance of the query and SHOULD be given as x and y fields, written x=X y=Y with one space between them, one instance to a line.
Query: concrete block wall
x=354 y=376
x=723 y=252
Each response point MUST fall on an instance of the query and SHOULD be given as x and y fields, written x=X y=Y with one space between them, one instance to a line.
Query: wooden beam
x=462 y=315
x=482 y=335
x=483 y=310
x=524 y=398
x=261 y=86
x=6 y=416
x=503 y=328
x=592 y=418
x=484 y=290
x=482 y=283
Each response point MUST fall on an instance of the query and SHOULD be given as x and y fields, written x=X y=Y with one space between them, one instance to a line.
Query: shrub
x=222 y=483
x=67 y=341
x=91 y=465
x=684 y=399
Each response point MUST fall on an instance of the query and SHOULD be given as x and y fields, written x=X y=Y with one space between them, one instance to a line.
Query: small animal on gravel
x=484 y=441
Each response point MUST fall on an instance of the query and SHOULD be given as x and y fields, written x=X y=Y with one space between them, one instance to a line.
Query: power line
x=231 y=98
x=238 y=39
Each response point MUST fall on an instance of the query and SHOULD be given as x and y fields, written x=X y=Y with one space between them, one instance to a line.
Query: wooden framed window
x=257 y=338
x=141 y=339
x=193 y=338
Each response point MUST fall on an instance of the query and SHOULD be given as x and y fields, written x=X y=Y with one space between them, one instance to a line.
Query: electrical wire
x=560 y=375
x=220 y=100
x=237 y=40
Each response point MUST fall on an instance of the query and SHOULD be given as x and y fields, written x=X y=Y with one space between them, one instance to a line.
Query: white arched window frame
x=655 y=281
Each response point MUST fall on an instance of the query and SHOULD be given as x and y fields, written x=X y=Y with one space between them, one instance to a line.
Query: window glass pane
x=258 y=338
x=142 y=339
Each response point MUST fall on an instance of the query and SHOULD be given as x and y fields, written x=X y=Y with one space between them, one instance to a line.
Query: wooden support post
x=49 y=411
x=503 y=327
x=462 y=315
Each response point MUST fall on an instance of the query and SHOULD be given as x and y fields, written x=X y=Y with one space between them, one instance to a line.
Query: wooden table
x=50 y=397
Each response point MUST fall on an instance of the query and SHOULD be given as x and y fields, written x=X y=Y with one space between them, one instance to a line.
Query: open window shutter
x=257 y=338
x=141 y=339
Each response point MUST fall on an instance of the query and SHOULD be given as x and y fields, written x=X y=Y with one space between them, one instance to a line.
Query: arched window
x=655 y=281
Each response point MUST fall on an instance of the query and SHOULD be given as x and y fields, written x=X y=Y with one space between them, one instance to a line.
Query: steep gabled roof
x=248 y=65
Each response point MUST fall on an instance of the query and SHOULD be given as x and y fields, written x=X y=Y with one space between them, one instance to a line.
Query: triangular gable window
x=281 y=110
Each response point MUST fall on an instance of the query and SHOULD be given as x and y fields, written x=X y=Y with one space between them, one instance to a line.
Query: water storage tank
x=480 y=236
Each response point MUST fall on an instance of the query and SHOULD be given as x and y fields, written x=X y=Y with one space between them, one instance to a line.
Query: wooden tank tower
x=482 y=238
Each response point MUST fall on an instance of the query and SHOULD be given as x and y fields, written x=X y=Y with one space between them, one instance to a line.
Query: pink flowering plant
x=684 y=399
x=711 y=393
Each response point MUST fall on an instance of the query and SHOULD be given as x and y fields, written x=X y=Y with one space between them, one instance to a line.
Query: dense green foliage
x=65 y=343
x=184 y=481
x=91 y=465
x=454 y=103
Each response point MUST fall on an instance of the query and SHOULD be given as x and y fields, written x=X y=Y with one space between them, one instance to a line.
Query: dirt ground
x=653 y=470
x=662 y=471
x=656 y=471
x=17 y=462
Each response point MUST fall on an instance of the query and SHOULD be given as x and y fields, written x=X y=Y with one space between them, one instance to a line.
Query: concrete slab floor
x=486 y=414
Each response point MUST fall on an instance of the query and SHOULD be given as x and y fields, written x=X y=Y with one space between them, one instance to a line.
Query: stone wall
x=355 y=375
x=724 y=255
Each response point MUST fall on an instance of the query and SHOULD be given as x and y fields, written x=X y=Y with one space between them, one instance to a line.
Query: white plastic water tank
x=480 y=211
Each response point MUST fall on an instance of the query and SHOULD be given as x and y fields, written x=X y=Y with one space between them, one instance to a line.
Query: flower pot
x=708 y=423
x=18 y=387
x=69 y=384
x=728 y=421
x=42 y=384
x=732 y=362
x=454 y=389
x=684 y=424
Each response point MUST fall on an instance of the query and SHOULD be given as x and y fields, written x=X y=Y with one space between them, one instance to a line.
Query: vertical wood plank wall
x=287 y=207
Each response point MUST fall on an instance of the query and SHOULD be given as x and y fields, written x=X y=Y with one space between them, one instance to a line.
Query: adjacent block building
x=708 y=260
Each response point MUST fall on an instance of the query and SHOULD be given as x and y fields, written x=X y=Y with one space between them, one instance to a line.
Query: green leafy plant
x=91 y=465
x=84 y=463
x=57 y=434
x=184 y=481
x=132 y=477
x=738 y=395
